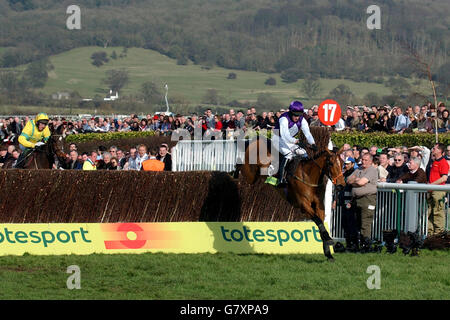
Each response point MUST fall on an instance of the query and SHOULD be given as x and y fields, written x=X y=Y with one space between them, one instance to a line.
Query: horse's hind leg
x=326 y=239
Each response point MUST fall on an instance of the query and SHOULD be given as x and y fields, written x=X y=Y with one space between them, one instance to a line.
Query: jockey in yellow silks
x=34 y=134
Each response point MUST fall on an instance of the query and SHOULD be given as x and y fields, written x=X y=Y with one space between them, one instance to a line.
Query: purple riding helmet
x=296 y=108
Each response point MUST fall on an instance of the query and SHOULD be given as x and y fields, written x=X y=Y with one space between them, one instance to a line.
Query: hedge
x=382 y=140
x=379 y=139
x=136 y=196
x=77 y=138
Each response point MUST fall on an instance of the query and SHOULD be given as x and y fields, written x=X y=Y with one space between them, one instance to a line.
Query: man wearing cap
x=289 y=124
x=34 y=134
x=349 y=222
x=349 y=162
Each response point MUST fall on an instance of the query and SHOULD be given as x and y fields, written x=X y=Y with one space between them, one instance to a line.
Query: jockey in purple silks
x=289 y=125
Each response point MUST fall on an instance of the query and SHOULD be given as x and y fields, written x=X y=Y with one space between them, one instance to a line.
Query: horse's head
x=334 y=165
x=57 y=141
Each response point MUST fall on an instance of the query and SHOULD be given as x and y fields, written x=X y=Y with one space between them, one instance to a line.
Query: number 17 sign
x=329 y=112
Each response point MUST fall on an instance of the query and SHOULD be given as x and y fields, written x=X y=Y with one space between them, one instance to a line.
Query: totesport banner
x=167 y=237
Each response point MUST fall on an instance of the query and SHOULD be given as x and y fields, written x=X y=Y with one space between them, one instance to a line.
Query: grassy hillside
x=326 y=37
x=73 y=71
x=33 y=110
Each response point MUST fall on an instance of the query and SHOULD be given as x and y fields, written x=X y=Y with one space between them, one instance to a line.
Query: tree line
x=299 y=39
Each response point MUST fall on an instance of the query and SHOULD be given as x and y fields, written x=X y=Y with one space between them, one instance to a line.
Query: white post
x=167 y=102
x=328 y=197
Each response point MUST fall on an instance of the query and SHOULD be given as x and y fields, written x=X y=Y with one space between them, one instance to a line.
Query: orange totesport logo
x=138 y=236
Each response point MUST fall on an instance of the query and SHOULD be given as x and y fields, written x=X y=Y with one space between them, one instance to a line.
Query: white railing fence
x=209 y=155
x=402 y=207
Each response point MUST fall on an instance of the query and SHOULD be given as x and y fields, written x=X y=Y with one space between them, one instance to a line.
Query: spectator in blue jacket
x=401 y=121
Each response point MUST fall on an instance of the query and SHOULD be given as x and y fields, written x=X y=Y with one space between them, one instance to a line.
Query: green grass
x=227 y=276
x=73 y=71
x=31 y=110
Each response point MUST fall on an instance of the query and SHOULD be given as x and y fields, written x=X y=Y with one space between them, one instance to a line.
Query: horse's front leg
x=325 y=236
x=311 y=207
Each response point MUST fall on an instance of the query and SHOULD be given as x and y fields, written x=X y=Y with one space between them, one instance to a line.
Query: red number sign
x=329 y=112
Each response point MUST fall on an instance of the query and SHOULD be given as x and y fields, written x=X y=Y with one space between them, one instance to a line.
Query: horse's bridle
x=51 y=145
x=327 y=174
x=329 y=164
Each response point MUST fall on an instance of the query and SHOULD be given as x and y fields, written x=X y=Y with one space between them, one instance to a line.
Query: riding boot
x=282 y=182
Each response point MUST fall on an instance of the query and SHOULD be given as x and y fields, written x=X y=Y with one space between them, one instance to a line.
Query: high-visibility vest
x=89 y=165
x=152 y=165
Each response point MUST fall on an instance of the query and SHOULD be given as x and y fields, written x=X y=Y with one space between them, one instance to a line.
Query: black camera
x=389 y=237
x=410 y=243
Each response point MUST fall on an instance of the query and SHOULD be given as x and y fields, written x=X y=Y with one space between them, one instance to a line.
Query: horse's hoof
x=331 y=259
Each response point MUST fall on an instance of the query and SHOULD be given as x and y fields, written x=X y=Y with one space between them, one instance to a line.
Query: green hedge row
x=77 y=138
x=380 y=140
x=383 y=140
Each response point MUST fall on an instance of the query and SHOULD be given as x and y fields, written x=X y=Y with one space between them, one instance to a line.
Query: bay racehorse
x=307 y=180
x=44 y=157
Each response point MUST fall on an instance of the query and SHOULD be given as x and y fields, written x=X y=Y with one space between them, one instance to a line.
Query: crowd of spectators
x=137 y=158
x=425 y=118
x=102 y=158
x=364 y=167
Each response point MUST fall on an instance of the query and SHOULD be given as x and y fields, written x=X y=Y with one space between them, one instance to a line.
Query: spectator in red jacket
x=436 y=199
x=218 y=123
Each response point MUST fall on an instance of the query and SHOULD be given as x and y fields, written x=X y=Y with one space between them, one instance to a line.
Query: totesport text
x=280 y=235
x=45 y=237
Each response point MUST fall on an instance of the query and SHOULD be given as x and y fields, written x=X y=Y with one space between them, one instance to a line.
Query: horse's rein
x=333 y=180
x=307 y=183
